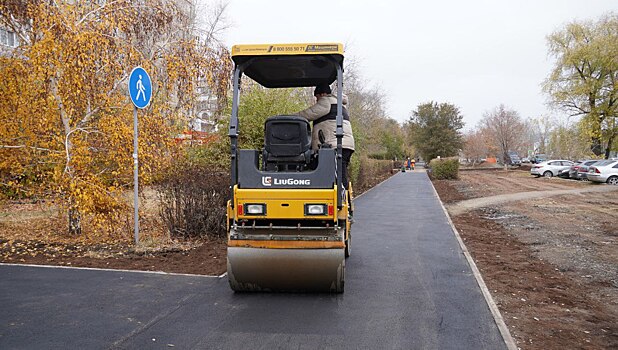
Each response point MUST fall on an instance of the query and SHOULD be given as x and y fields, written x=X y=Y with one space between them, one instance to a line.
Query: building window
x=8 y=38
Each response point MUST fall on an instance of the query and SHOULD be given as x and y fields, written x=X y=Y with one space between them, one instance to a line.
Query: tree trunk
x=595 y=146
x=608 y=150
x=75 y=220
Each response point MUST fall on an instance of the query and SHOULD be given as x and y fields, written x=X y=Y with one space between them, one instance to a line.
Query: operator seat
x=287 y=143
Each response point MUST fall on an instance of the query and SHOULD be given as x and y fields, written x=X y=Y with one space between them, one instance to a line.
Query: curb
x=113 y=270
x=504 y=331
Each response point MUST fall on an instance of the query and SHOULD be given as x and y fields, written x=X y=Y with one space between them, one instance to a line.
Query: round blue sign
x=140 y=87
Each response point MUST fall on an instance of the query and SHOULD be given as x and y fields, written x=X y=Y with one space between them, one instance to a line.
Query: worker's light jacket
x=321 y=108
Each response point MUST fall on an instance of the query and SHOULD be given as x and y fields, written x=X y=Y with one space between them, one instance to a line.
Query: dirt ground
x=550 y=263
x=33 y=233
x=204 y=258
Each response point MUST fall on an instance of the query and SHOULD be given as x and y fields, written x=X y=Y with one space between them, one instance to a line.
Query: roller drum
x=293 y=270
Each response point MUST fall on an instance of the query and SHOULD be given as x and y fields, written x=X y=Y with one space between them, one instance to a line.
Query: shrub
x=367 y=172
x=193 y=200
x=380 y=156
x=445 y=168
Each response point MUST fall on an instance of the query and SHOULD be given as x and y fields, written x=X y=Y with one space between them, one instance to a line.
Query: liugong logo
x=269 y=181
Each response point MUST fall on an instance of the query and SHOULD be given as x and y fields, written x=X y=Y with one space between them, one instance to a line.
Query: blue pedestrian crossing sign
x=140 y=87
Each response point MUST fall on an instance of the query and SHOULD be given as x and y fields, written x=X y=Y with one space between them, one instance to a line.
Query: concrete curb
x=504 y=331
x=114 y=270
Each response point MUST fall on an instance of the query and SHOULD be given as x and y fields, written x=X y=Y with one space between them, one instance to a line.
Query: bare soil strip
x=476 y=203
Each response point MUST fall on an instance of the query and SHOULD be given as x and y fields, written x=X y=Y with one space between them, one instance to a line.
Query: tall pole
x=140 y=91
x=135 y=177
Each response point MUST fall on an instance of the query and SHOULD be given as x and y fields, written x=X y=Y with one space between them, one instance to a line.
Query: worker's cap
x=321 y=89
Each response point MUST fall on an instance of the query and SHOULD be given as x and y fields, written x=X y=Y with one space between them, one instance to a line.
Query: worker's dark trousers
x=346 y=154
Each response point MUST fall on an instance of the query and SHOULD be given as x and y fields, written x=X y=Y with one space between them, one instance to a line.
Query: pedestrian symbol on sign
x=140 y=87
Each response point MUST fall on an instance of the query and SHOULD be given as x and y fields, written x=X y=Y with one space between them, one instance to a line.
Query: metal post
x=233 y=131
x=339 y=135
x=135 y=176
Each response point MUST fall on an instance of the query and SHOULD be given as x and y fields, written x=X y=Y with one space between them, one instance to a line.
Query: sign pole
x=140 y=91
x=135 y=176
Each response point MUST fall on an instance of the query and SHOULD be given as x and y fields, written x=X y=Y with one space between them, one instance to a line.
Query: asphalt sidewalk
x=408 y=286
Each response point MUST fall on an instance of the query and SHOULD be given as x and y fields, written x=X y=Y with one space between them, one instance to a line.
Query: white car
x=554 y=167
x=604 y=171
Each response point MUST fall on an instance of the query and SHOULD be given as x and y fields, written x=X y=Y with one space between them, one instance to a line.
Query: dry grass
x=46 y=221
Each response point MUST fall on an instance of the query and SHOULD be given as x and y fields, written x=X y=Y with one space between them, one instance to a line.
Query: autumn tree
x=367 y=108
x=376 y=135
x=392 y=139
x=475 y=146
x=585 y=76
x=68 y=121
x=568 y=142
x=539 y=130
x=505 y=130
x=436 y=130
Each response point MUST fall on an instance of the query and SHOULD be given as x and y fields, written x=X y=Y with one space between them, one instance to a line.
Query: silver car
x=579 y=170
x=604 y=171
x=554 y=167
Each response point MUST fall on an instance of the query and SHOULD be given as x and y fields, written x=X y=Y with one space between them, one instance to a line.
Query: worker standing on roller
x=324 y=114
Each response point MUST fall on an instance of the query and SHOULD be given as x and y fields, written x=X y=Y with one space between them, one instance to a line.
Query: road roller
x=288 y=214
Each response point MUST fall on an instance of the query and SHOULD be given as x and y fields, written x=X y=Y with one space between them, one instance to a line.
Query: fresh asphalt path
x=408 y=286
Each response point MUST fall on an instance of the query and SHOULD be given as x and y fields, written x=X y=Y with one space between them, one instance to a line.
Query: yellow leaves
x=69 y=96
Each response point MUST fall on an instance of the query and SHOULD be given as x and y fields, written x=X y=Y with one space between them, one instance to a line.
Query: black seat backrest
x=287 y=140
x=287 y=136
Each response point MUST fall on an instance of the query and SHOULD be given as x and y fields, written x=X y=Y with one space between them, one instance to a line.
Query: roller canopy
x=289 y=65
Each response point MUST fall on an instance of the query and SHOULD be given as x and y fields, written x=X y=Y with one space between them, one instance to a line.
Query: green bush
x=444 y=168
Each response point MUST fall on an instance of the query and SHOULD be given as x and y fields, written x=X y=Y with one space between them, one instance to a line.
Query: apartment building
x=9 y=40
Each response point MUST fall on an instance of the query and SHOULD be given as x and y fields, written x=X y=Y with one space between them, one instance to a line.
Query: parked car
x=513 y=159
x=574 y=168
x=579 y=170
x=538 y=158
x=525 y=160
x=604 y=171
x=554 y=167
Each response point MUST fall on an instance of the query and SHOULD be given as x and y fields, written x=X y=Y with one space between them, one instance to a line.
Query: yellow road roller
x=288 y=213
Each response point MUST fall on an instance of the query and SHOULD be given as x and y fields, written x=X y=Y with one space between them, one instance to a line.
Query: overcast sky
x=475 y=54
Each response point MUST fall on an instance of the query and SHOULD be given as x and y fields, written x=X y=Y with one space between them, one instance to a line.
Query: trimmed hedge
x=444 y=168
x=366 y=172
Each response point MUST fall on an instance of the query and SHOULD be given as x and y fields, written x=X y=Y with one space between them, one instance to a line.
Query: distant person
x=323 y=114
